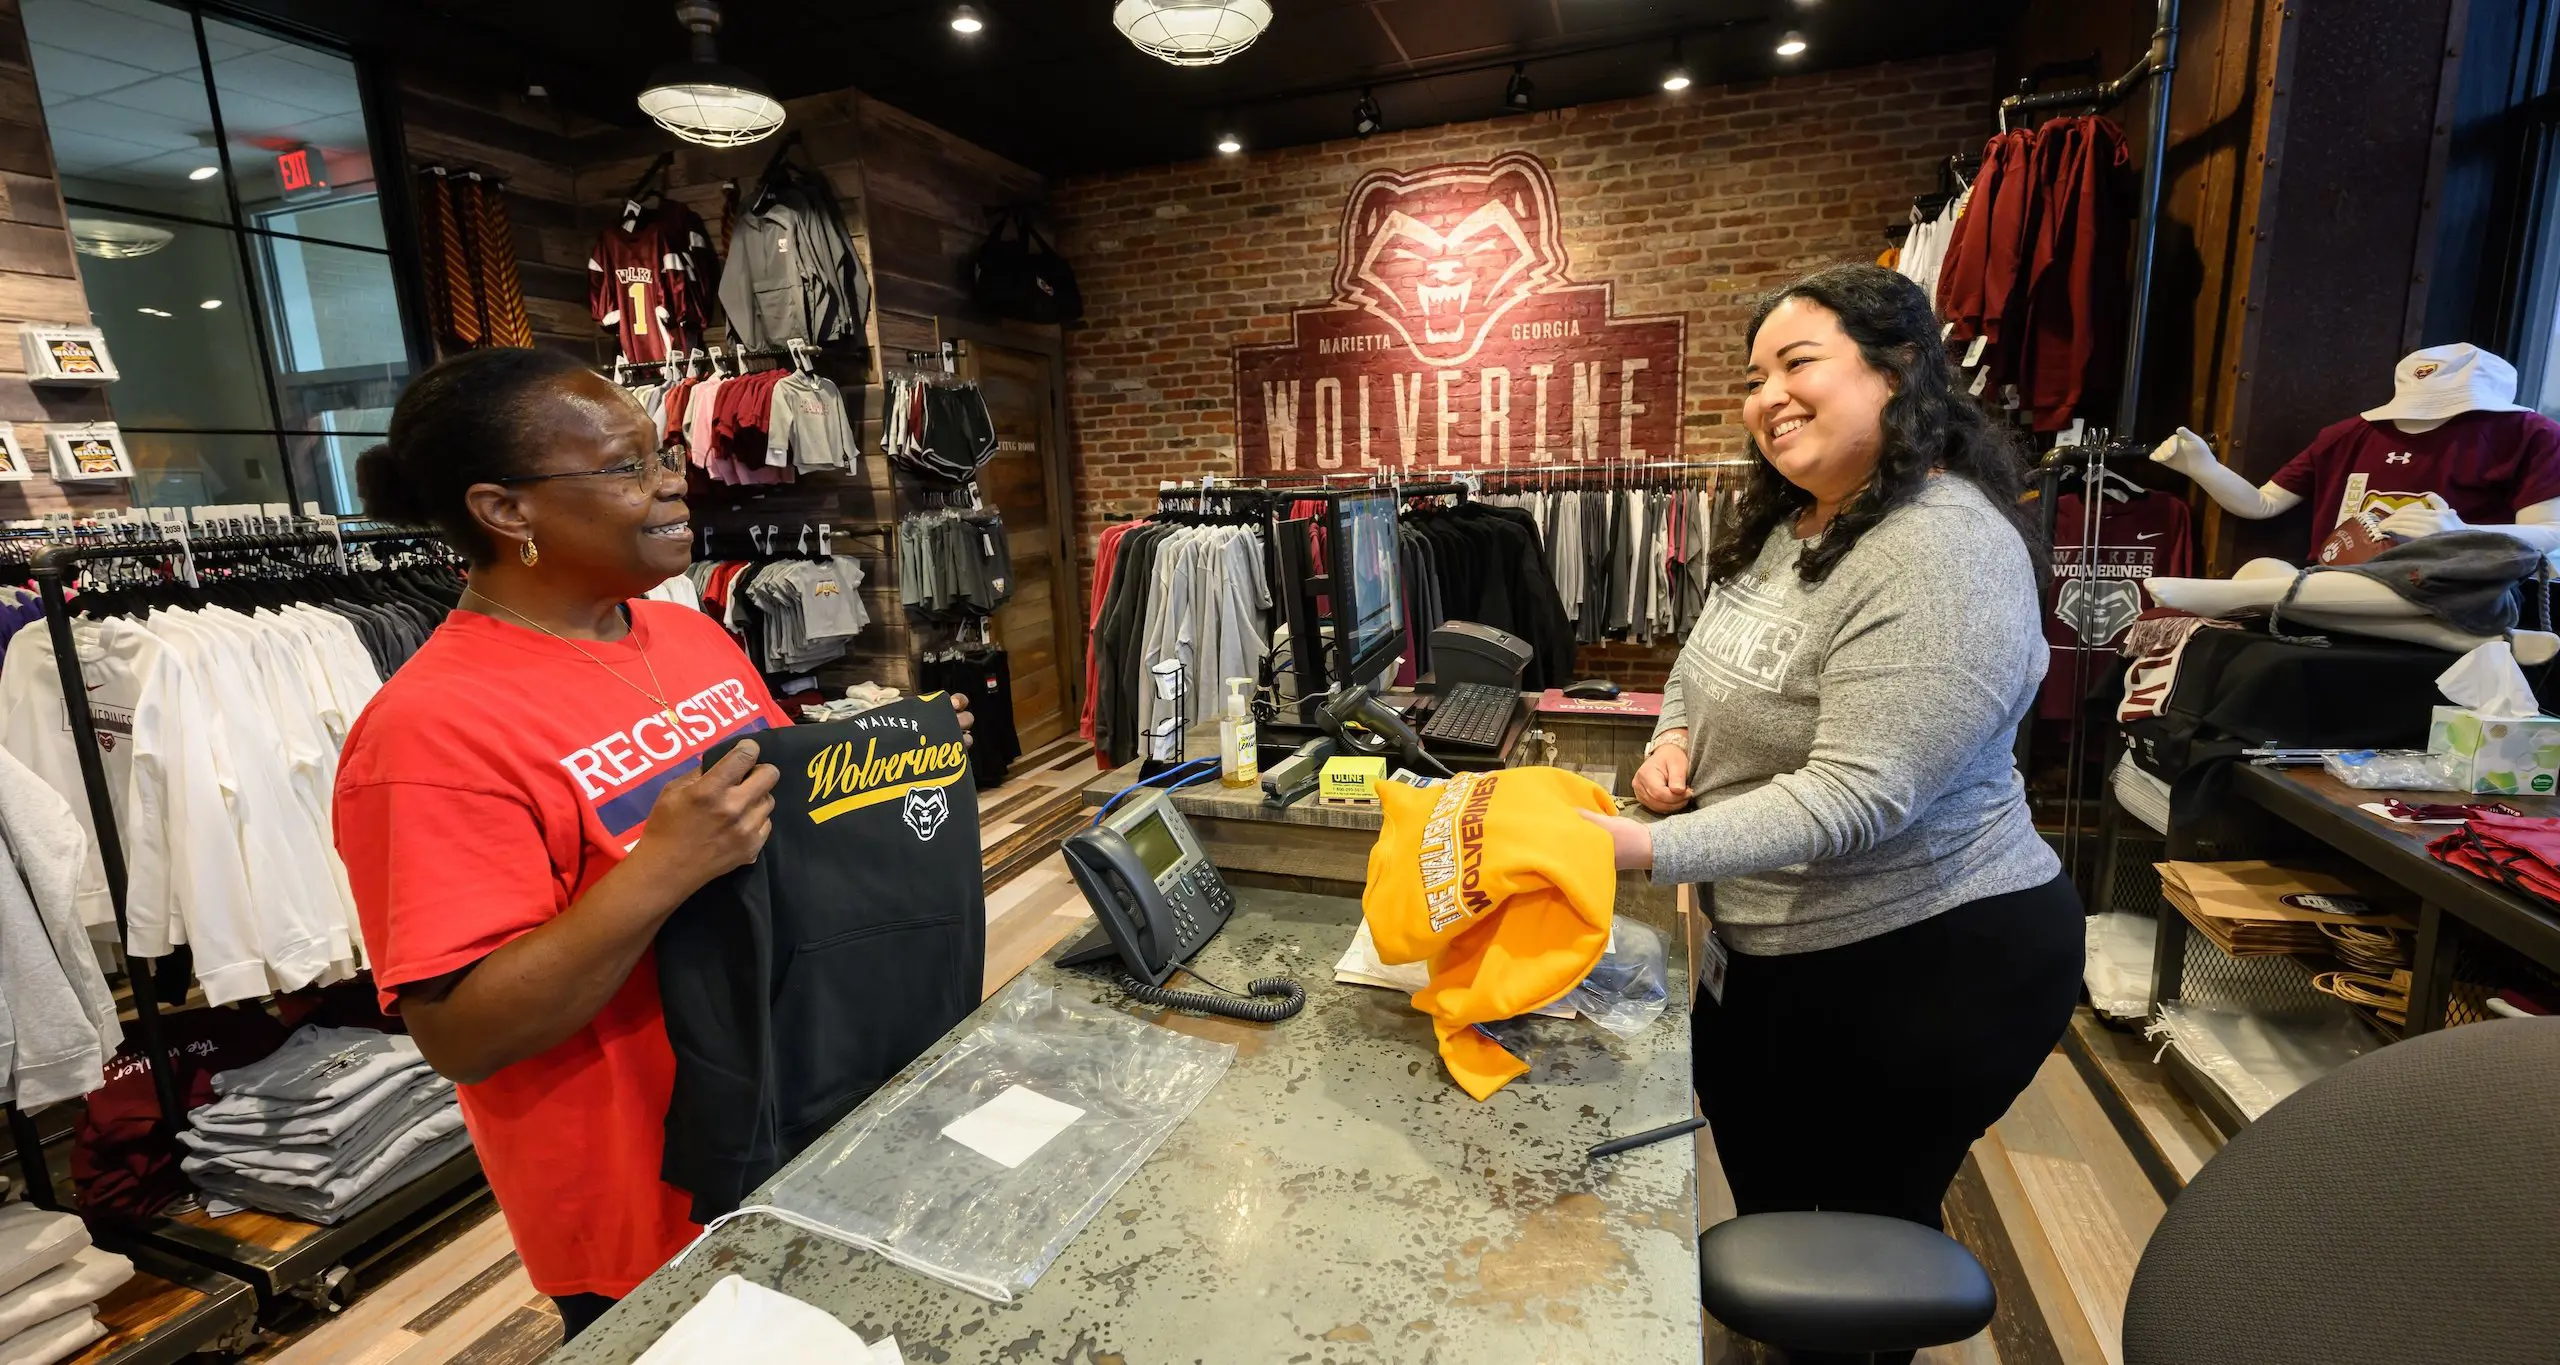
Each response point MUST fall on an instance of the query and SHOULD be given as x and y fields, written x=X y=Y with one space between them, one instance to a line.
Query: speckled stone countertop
x=1336 y=1199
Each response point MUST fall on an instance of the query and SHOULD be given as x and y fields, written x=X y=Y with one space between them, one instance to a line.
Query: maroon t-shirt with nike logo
x=2096 y=595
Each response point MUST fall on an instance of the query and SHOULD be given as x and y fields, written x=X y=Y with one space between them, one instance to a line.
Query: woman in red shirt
x=523 y=805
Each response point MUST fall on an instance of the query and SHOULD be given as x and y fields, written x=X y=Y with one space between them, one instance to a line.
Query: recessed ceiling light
x=965 y=20
x=204 y=172
x=210 y=304
x=1230 y=144
x=1791 y=44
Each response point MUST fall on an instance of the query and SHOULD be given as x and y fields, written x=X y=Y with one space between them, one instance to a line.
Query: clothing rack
x=273 y=1270
x=2159 y=65
x=52 y=570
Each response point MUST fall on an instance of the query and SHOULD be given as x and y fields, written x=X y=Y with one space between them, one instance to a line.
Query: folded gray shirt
x=323 y=1127
x=352 y=1148
x=342 y=1199
x=316 y=1068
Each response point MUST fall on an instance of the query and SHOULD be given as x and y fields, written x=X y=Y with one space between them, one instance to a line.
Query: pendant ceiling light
x=1192 y=32
x=701 y=100
x=111 y=240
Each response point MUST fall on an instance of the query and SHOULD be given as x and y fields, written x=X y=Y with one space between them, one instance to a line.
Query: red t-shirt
x=493 y=780
x=2485 y=465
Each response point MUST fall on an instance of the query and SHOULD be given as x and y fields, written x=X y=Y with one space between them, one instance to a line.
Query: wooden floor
x=2069 y=1206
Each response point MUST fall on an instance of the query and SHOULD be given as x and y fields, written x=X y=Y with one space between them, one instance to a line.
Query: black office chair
x=1848 y=1283
x=2405 y=1207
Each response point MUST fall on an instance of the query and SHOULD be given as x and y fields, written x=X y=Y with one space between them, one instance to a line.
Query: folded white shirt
x=33 y=1241
x=75 y=1284
x=52 y=1339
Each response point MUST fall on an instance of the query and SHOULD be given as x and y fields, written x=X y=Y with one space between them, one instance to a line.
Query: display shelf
x=278 y=1256
x=169 y=1311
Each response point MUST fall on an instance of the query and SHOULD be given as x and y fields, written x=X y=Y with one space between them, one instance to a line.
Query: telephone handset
x=1160 y=899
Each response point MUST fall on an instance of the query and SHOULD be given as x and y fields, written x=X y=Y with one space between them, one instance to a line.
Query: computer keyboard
x=1471 y=716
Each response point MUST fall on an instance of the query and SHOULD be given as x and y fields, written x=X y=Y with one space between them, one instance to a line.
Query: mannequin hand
x=2184 y=452
x=1662 y=783
x=2430 y=518
x=1631 y=842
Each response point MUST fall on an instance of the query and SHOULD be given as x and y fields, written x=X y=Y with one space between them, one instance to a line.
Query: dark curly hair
x=1929 y=424
x=460 y=423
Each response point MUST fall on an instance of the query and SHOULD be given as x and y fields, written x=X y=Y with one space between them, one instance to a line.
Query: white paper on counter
x=1360 y=967
x=1012 y=1126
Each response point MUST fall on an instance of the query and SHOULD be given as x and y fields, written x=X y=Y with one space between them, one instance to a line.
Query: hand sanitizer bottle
x=1238 y=765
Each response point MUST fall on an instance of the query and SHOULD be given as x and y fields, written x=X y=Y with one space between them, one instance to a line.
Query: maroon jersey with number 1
x=634 y=288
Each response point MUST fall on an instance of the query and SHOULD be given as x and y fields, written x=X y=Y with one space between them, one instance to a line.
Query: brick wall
x=1693 y=203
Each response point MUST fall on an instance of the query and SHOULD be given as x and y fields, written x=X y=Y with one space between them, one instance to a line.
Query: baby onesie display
x=792 y=615
x=796 y=985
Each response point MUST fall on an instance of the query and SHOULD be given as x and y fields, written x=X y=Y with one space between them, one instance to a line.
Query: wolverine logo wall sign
x=1456 y=338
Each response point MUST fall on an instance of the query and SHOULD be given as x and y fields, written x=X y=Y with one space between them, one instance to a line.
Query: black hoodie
x=797 y=984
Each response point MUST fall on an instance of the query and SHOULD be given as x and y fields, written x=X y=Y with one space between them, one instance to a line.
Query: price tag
x=1981 y=378
x=1973 y=353
x=1946 y=331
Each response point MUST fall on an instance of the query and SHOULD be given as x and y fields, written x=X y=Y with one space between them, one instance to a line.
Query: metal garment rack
x=52 y=570
x=2159 y=65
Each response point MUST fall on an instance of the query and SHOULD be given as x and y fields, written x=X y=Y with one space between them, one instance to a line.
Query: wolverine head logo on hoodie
x=927 y=808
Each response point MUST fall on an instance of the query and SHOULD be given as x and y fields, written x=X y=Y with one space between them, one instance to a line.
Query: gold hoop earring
x=530 y=555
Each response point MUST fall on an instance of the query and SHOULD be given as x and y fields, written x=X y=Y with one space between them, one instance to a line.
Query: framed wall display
x=13 y=461
x=67 y=355
x=88 y=453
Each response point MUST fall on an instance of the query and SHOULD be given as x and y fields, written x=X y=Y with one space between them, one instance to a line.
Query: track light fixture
x=1365 y=116
x=1519 y=96
x=965 y=20
x=1229 y=144
x=1676 y=77
x=1791 y=44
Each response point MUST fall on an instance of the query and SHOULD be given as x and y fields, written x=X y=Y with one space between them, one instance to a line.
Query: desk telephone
x=1160 y=899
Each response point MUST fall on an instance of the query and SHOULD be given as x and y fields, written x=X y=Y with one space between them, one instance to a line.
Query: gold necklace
x=665 y=708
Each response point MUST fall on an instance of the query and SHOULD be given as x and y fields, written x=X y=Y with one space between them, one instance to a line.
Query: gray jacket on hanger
x=792 y=272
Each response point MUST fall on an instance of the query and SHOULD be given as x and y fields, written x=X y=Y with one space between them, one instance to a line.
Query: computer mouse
x=1593 y=689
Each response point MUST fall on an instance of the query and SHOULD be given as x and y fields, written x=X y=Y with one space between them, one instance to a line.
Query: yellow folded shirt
x=1497 y=883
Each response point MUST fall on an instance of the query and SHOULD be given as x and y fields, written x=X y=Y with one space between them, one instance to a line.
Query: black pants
x=1856 y=1077
x=578 y=1312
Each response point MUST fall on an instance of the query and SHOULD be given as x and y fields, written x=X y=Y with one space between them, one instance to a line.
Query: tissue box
x=2485 y=754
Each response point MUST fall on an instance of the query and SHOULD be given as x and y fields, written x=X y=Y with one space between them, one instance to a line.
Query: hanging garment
x=984 y=675
x=60 y=1024
x=1106 y=559
x=453 y=287
x=637 y=273
x=791 y=615
x=493 y=259
x=2097 y=595
x=1203 y=611
x=953 y=565
x=796 y=985
x=792 y=271
x=937 y=428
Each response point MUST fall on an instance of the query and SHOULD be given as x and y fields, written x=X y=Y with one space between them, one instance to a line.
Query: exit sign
x=301 y=173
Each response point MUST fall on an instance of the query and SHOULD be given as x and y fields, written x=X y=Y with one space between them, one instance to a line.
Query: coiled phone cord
x=1272 y=998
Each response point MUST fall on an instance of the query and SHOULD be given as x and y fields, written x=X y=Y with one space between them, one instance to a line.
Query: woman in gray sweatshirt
x=1904 y=948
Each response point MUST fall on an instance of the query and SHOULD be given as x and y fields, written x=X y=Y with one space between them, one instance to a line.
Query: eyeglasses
x=668 y=463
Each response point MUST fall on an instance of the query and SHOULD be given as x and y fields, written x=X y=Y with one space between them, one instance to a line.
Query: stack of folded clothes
x=50 y=1282
x=337 y=1119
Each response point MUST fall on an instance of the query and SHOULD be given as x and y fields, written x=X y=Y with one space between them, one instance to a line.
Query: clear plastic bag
x=891 y=1182
x=2116 y=966
x=1630 y=984
x=2402 y=769
x=2259 y=1059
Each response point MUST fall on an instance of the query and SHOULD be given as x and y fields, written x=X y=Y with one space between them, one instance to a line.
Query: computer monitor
x=1367 y=601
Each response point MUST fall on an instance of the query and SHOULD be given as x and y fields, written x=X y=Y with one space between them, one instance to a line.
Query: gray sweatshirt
x=1850 y=742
